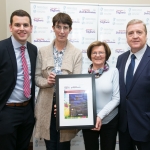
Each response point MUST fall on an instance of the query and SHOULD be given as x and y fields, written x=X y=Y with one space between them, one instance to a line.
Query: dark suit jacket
x=134 y=107
x=8 y=70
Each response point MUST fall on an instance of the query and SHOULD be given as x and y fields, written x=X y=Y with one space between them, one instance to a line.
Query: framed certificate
x=75 y=100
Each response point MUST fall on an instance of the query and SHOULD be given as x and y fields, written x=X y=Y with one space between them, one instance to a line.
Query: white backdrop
x=112 y=23
x=91 y=22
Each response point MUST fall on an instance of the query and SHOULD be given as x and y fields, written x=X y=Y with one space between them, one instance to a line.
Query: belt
x=18 y=104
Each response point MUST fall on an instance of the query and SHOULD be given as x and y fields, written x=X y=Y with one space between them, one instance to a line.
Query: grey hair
x=137 y=21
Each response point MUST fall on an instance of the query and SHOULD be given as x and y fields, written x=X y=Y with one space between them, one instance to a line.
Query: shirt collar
x=16 y=44
x=140 y=53
x=59 y=52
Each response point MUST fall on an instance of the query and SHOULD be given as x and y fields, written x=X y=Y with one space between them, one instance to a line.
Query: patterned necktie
x=26 y=83
x=129 y=75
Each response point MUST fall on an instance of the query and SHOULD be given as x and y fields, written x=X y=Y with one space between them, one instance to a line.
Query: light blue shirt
x=17 y=96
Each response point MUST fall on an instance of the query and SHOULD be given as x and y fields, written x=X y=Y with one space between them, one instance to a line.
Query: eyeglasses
x=98 y=53
x=59 y=28
x=132 y=33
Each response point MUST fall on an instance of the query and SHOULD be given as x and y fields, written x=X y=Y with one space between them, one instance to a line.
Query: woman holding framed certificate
x=107 y=99
x=60 y=57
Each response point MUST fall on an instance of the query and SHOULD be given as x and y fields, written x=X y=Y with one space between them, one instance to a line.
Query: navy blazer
x=8 y=70
x=134 y=108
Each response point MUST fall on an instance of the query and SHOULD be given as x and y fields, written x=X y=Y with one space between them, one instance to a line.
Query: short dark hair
x=62 y=18
x=99 y=43
x=20 y=13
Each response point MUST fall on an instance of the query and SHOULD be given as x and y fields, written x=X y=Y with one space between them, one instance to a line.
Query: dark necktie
x=129 y=75
x=26 y=82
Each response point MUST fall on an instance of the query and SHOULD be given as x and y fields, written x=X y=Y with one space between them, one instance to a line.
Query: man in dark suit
x=134 y=71
x=17 y=85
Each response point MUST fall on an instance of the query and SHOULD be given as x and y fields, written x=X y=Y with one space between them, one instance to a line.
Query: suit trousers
x=54 y=142
x=16 y=127
x=107 y=133
x=127 y=143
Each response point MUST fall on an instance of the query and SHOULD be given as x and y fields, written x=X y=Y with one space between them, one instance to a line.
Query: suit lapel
x=31 y=60
x=145 y=59
x=124 y=60
x=12 y=55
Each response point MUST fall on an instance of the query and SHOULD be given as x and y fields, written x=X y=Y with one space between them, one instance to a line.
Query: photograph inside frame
x=75 y=104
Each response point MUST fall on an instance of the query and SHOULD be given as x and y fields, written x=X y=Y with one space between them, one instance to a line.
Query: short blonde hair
x=99 y=43
x=137 y=21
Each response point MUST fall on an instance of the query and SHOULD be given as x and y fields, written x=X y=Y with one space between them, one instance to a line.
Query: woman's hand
x=51 y=78
x=98 y=124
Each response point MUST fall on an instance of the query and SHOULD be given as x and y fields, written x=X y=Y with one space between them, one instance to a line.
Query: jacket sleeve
x=78 y=63
x=40 y=80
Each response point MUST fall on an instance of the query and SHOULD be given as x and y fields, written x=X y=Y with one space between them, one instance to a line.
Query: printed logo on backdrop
x=40 y=29
x=147 y=21
x=148 y=41
x=34 y=8
x=36 y=19
x=106 y=31
x=87 y=40
x=104 y=21
x=121 y=32
x=109 y=41
x=106 y=11
x=84 y=51
x=36 y=143
x=74 y=40
x=119 y=50
x=39 y=8
x=77 y=142
x=93 y=11
x=76 y=31
x=120 y=12
x=117 y=21
x=69 y=9
x=86 y=20
x=77 y=20
x=147 y=12
x=49 y=19
x=54 y=10
x=39 y=143
x=41 y=40
x=90 y=31
x=114 y=60
x=134 y=11
x=121 y=40
x=51 y=31
x=86 y=60
x=101 y=10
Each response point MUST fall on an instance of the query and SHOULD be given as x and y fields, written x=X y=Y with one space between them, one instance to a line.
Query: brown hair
x=20 y=13
x=62 y=18
x=137 y=21
x=99 y=43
